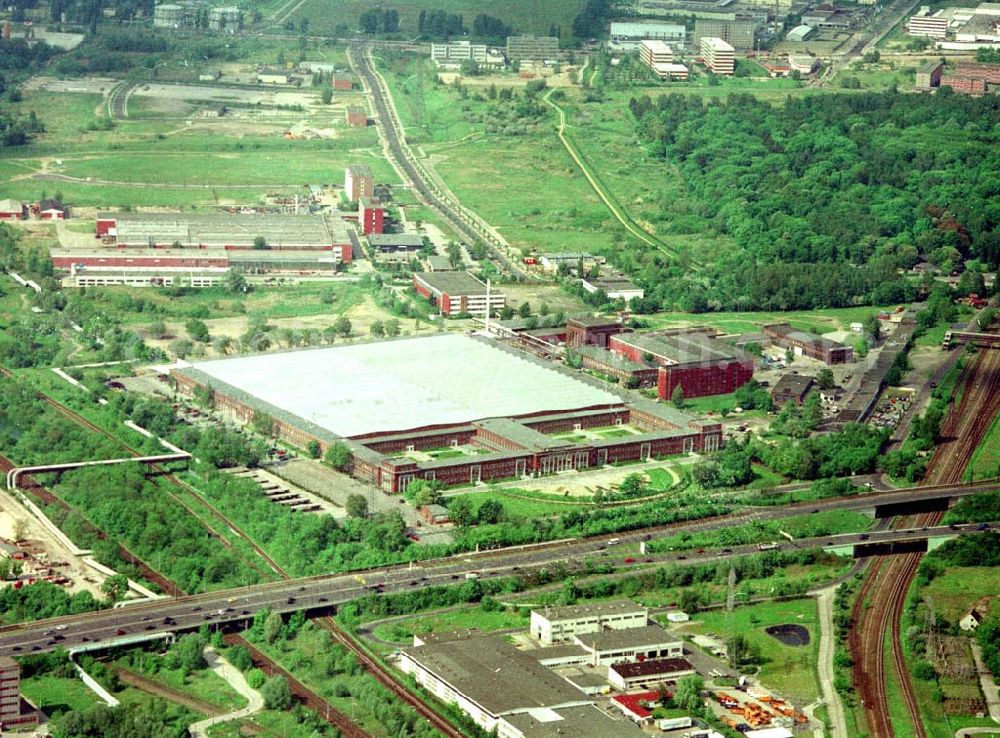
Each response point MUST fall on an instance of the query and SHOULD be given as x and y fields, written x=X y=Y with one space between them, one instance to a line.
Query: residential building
x=454 y=53
x=371 y=216
x=928 y=24
x=659 y=57
x=558 y=624
x=809 y=344
x=358 y=182
x=13 y=210
x=457 y=293
x=628 y=36
x=738 y=32
x=719 y=57
x=615 y=286
x=649 y=673
x=696 y=361
x=12 y=716
x=791 y=388
x=357 y=116
x=488 y=679
x=592 y=331
x=532 y=48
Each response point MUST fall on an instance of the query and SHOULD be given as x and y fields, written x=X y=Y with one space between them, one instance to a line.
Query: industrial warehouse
x=196 y=249
x=398 y=407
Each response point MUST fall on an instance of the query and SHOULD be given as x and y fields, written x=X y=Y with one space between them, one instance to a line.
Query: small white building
x=971 y=621
x=560 y=624
x=648 y=673
x=630 y=644
x=678 y=616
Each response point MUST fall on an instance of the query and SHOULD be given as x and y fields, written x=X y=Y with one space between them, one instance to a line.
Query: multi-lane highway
x=327 y=591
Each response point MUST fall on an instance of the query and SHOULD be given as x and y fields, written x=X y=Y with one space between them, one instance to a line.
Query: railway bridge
x=14 y=475
x=980 y=340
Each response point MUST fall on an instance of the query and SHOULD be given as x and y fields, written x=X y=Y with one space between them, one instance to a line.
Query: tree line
x=825 y=199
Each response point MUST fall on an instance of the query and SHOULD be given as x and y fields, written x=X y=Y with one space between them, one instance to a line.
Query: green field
x=402 y=631
x=56 y=695
x=957 y=589
x=526 y=16
x=789 y=670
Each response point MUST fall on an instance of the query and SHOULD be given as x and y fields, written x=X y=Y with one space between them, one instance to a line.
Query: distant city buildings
x=958 y=28
x=659 y=57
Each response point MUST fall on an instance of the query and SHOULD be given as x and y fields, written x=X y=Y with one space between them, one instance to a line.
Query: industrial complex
x=396 y=404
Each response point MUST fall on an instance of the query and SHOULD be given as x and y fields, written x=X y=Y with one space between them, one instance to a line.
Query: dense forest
x=826 y=198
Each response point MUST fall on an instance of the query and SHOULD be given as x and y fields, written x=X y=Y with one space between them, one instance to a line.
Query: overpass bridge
x=15 y=474
x=981 y=340
x=322 y=594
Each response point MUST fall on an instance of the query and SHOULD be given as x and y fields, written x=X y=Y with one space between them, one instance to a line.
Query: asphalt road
x=317 y=593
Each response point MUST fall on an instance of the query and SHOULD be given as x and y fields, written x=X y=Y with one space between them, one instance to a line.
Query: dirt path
x=168 y=693
x=827 y=646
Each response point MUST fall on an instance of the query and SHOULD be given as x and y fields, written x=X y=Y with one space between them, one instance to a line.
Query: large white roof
x=403 y=384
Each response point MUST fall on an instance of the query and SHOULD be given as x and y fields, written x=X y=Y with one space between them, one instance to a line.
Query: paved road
x=326 y=591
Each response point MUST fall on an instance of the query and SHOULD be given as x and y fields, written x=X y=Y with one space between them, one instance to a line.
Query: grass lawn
x=473 y=617
x=265 y=724
x=529 y=506
x=789 y=670
x=954 y=591
x=820 y=321
x=204 y=684
x=661 y=479
x=56 y=695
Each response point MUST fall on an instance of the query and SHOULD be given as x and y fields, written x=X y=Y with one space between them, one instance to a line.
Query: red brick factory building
x=457 y=293
x=694 y=360
x=807 y=344
x=463 y=410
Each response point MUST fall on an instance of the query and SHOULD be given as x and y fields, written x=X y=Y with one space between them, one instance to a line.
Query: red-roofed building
x=638 y=707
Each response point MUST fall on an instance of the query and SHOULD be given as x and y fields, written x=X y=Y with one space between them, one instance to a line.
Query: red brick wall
x=373 y=220
x=701 y=381
x=986 y=72
x=566 y=424
x=421 y=441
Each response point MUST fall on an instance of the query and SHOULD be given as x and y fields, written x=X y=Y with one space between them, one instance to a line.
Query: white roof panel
x=403 y=384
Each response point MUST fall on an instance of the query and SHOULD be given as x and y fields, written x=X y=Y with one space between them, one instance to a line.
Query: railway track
x=373 y=667
x=347 y=727
x=80 y=420
x=465 y=224
x=889 y=579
